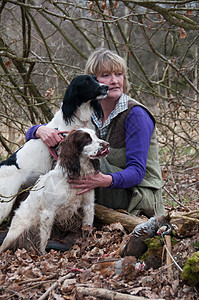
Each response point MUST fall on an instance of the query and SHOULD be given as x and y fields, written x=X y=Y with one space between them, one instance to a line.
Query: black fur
x=75 y=95
x=11 y=161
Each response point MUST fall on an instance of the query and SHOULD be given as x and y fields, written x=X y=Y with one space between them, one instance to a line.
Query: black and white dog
x=23 y=168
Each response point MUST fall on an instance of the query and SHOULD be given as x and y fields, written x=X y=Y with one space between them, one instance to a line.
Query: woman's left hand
x=90 y=182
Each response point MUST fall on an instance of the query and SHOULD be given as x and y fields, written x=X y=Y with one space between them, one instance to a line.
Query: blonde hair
x=106 y=60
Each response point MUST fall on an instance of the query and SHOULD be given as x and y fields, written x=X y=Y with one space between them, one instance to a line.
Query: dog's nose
x=104 y=87
x=105 y=144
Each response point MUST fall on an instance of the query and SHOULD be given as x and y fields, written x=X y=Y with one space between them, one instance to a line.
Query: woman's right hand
x=49 y=136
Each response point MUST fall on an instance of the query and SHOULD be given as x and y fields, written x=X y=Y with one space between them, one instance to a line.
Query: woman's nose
x=114 y=78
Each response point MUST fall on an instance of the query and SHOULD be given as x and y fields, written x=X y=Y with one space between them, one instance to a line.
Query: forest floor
x=79 y=273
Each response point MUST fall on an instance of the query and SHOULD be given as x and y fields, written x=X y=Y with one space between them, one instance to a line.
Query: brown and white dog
x=52 y=197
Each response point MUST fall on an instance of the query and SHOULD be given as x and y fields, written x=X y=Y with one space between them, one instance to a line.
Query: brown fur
x=70 y=150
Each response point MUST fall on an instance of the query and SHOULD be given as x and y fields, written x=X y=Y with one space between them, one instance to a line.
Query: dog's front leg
x=46 y=223
x=88 y=208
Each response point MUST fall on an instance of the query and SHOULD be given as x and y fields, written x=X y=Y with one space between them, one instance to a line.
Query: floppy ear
x=97 y=108
x=69 y=155
x=70 y=150
x=70 y=103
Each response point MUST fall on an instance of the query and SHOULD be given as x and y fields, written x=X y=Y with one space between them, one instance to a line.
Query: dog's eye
x=87 y=138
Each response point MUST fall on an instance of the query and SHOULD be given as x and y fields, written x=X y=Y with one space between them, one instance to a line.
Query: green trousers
x=135 y=200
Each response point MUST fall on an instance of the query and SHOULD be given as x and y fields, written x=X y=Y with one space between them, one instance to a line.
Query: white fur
x=53 y=198
x=34 y=160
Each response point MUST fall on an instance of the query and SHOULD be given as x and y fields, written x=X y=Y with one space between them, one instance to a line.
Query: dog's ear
x=69 y=155
x=97 y=108
x=70 y=150
x=70 y=103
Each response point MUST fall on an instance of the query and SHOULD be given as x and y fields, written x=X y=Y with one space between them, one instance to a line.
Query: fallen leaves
x=93 y=263
x=72 y=274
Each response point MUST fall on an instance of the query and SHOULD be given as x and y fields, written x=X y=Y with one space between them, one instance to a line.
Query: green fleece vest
x=117 y=156
x=116 y=161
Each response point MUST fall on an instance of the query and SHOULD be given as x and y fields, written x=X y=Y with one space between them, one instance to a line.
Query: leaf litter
x=90 y=264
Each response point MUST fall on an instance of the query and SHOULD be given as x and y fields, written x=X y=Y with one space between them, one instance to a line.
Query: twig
x=187 y=209
x=17 y=194
x=107 y=294
x=42 y=278
x=32 y=244
x=187 y=218
x=52 y=287
x=177 y=265
x=14 y=292
x=35 y=286
x=191 y=212
x=168 y=258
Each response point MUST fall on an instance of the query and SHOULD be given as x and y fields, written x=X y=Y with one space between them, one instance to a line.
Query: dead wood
x=109 y=216
x=178 y=202
x=56 y=284
x=107 y=294
x=184 y=221
x=168 y=258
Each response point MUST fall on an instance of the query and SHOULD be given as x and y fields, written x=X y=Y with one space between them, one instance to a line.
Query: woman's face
x=115 y=82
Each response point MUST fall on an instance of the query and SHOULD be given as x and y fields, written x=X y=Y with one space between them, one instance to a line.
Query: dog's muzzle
x=103 y=91
x=103 y=151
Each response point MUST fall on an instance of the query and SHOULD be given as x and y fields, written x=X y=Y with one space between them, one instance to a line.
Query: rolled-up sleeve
x=30 y=134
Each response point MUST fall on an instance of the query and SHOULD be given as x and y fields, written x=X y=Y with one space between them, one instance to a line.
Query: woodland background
x=44 y=44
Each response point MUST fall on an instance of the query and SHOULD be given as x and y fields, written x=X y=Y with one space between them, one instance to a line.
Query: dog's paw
x=87 y=231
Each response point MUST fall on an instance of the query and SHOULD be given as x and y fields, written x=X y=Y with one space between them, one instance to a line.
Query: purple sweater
x=139 y=128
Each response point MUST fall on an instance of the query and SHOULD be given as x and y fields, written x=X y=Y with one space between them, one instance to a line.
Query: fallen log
x=109 y=216
x=184 y=222
x=107 y=294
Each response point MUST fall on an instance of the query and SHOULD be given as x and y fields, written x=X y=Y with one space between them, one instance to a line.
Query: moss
x=143 y=257
x=153 y=256
x=154 y=243
x=195 y=244
x=190 y=272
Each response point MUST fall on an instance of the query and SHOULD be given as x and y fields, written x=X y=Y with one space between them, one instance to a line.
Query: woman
x=130 y=176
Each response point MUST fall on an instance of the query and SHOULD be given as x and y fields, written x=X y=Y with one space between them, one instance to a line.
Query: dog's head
x=82 y=89
x=81 y=142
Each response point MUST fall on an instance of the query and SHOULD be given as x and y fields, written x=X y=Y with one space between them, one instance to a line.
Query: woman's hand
x=90 y=182
x=49 y=136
